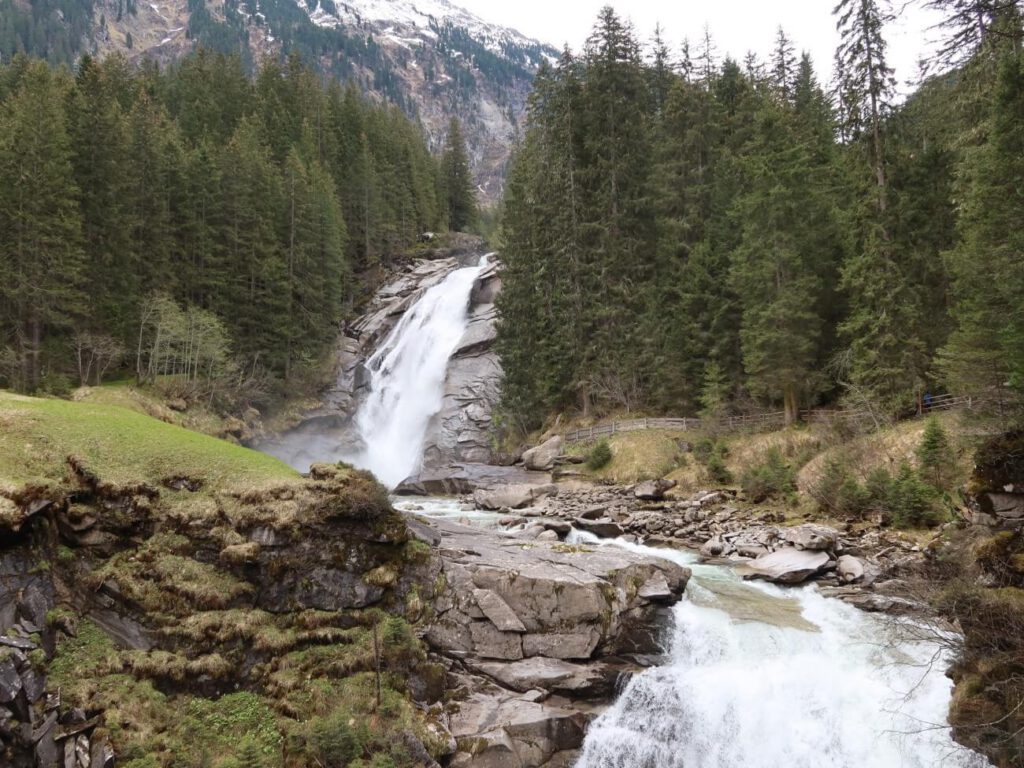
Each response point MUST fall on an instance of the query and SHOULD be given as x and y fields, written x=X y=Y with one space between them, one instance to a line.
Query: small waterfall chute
x=847 y=689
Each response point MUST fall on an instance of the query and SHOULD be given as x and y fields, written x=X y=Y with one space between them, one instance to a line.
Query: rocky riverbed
x=864 y=565
x=540 y=627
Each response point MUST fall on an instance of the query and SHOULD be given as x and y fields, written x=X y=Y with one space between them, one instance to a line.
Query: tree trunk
x=792 y=404
x=32 y=353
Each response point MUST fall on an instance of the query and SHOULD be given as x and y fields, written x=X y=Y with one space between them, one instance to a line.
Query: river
x=758 y=676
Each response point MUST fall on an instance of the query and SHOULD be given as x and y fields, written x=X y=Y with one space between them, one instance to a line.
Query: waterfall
x=407 y=376
x=761 y=677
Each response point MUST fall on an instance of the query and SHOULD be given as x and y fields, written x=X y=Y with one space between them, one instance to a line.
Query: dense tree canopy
x=259 y=202
x=674 y=223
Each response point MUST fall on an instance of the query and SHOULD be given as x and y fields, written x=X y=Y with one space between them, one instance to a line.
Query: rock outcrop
x=858 y=565
x=462 y=431
x=533 y=630
x=142 y=599
x=997 y=487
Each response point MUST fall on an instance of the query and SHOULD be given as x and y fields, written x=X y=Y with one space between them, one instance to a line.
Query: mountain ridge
x=433 y=58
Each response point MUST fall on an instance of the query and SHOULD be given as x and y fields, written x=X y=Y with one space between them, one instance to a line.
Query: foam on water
x=841 y=688
x=407 y=374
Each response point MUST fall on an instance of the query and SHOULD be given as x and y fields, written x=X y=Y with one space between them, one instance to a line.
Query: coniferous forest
x=685 y=232
x=194 y=222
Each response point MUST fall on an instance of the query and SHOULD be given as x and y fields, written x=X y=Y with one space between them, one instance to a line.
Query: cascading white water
x=407 y=374
x=760 y=677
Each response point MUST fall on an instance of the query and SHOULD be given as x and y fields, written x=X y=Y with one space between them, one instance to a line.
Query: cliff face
x=171 y=599
x=981 y=570
x=462 y=432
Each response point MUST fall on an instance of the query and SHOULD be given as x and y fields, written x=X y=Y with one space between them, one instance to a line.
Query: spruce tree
x=41 y=254
x=985 y=354
x=99 y=132
x=887 y=354
x=457 y=180
x=784 y=217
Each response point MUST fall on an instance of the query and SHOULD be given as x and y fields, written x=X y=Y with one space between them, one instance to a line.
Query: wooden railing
x=754 y=422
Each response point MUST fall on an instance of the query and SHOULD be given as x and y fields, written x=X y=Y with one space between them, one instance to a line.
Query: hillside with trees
x=193 y=222
x=681 y=230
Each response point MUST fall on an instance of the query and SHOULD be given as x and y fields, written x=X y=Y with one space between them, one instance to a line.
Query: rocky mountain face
x=432 y=58
x=461 y=433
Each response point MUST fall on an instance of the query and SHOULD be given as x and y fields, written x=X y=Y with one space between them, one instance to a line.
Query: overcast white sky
x=737 y=26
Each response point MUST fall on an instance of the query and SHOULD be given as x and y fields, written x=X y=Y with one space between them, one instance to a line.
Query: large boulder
x=513 y=496
x=849 y=569
x=818 y=538
x=789 y=565
x=543 y=457
x=499 y=729
x=997 y=484
x=507 y=601
x=604 y=527
x=653 y=490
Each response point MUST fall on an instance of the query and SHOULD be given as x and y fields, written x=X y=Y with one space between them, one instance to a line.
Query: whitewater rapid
x=761 y=677
x=407 y=375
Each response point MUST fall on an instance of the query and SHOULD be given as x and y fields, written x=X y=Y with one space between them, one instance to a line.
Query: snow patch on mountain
x=414 y=17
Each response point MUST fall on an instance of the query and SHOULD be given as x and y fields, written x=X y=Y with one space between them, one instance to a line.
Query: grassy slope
x=314 y=677
x=656 y=453
x=120 y=446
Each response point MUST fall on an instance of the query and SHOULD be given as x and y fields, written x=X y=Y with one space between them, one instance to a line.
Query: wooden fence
x=754 y=422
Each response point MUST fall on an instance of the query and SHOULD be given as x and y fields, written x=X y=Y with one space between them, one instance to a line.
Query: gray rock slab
x=789 y=565
x=498 y=611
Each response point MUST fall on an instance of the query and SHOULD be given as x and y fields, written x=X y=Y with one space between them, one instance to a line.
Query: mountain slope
x=434 y=59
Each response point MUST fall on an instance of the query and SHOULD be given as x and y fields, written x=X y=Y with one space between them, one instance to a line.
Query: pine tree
x=986 y=351
x=970 y=24
x=99 y=133
x=887 y=353
x=40 y=252
x=661 y=74
x=249 y=264
x=615 y=215
x=715 y=392
x=935 y=454
x=457 y=179
x=784 y=217
x=865 y=76
x=784 y=66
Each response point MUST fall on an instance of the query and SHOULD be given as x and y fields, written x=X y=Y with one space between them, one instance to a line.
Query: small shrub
x=916 y=503
x=703 y=450
x=712 y=455
x=772 y=479
x=600 y=456
x=335 y=743
x=716 y=470
x=904 y=499
x=56 y=384
x=935 y=455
